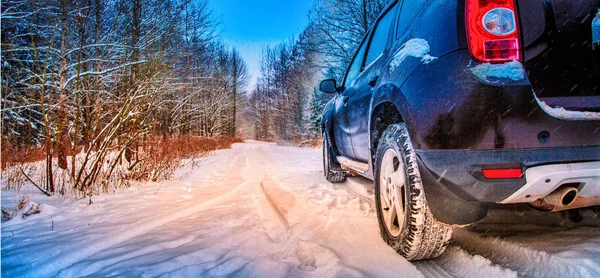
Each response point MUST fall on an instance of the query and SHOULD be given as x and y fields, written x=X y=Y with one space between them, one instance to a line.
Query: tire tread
x=425 y=237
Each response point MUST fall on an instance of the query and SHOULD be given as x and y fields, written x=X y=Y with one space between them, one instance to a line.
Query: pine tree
x=317 y=104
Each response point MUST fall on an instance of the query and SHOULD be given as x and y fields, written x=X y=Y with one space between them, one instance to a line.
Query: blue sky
x=251 y=25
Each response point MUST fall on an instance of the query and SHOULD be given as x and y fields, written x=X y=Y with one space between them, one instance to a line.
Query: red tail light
x=493 y=30
x=502 y=173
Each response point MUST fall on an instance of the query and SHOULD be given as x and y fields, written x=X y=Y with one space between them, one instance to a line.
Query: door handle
x=373 y=80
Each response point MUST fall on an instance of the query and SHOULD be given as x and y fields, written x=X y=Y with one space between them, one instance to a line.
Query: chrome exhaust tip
x=563 y=197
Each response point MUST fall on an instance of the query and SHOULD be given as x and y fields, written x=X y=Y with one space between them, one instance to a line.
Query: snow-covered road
x=260 y=209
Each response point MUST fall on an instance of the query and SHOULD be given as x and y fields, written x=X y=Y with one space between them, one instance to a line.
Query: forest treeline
x=95 y=87
x=105 y=78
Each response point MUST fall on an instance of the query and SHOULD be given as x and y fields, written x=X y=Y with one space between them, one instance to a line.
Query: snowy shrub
x=24 y=205
x=92 y=172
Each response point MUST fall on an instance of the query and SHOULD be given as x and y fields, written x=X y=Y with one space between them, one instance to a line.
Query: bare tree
x=91 y=80
x=338 y=27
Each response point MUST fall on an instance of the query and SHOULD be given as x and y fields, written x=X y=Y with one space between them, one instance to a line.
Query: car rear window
x=356 y=65
x=380 y=37
x=410 y=9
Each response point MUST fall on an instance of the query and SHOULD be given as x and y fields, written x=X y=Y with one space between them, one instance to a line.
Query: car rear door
x=340 y=114
x=361 y=89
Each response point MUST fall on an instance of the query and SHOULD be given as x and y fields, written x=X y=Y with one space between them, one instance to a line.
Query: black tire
x=419 y=236
x=332 y=175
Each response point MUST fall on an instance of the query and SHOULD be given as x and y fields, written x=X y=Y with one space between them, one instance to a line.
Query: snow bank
x=513 y=70
x=564 y=114
x=418 y=48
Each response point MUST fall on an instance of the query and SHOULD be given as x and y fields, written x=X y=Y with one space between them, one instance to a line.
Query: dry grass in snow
x=153 y=159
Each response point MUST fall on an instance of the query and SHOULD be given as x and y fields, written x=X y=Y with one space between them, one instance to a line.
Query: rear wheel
x=332 y=175
x=404 y=218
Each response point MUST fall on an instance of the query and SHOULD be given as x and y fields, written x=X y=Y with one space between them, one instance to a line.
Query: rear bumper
x=458 y=194
x=460 y=170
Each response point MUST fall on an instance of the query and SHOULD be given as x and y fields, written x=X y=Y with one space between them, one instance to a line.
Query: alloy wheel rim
x=391 y=184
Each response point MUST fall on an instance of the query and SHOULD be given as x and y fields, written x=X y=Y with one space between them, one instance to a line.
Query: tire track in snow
x=369 y=199
x=527 y=262
x=275 y=203
x=432 y=269
x=272 y=218
x=304 y=230
x=362 y=198
x=275 y=223
x=299 y=244
x=456 y=262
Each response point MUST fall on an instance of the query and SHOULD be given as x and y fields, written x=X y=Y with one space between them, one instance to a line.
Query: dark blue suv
x=453 y=105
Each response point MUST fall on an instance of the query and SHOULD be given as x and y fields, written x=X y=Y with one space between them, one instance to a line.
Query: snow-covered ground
x=260 y=209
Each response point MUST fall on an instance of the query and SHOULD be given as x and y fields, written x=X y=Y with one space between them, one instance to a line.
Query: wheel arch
x=389 y=107
x=383 y=115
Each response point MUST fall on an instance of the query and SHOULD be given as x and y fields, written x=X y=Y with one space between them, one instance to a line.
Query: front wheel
x=331 y=175
x=404 y=218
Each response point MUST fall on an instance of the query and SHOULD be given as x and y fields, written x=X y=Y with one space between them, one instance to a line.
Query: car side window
x=380 y=35
x=410 y=9
x=356 y=65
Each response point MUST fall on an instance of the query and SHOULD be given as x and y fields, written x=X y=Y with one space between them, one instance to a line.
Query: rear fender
x=390 y=93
